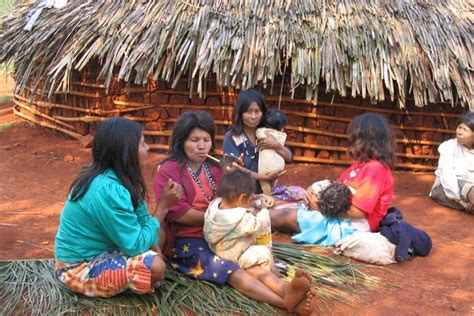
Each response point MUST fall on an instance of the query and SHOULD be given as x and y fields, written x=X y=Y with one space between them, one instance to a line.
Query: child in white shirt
x=268 y=159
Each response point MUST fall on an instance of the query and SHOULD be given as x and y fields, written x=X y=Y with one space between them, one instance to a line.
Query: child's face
x=465 y=135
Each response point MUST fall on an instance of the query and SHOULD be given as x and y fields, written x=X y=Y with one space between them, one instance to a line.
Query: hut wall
x=316 y=134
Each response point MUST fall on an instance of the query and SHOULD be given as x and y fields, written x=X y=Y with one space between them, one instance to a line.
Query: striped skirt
x=108 y=274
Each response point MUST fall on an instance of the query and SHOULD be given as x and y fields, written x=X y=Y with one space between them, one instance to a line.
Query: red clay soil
x=37 y=166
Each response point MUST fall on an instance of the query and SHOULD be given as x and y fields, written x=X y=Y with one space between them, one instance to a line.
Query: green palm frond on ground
x=29 y=287
x=6 y=6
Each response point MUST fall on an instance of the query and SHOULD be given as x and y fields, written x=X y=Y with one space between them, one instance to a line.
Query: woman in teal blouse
x=107 y=242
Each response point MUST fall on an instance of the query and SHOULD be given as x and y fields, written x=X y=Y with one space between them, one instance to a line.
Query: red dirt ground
x=37 y=166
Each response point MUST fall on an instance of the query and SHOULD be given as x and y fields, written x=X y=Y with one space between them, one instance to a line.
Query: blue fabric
x=230 y=148
x=320 y=230
x=405 y=236
x=193 y=257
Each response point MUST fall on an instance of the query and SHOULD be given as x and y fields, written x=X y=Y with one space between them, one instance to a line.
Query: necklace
x=210 y=180
x=248 y=147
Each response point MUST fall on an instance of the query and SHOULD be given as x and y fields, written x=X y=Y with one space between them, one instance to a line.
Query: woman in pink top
x=371 y=144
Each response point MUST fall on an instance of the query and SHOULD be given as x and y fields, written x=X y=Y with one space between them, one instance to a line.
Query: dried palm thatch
x=354 y=47
x=29 y=287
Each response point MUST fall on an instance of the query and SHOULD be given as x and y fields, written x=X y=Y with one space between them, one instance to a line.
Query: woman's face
x=143 y=151
x=252 y=117
x=197 y=145
x=465 y=135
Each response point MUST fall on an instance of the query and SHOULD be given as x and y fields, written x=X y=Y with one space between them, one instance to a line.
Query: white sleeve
x=446 y=165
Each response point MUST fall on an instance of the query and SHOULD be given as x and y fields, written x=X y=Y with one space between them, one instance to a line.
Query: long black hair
x=244 y=100
x=468 y=120
x=371 y=137
x=184 y=126
x=115 y=146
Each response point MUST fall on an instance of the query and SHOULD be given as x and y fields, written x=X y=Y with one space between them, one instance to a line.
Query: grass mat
x=29 y=287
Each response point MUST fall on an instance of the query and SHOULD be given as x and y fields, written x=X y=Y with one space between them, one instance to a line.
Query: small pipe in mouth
x=213 y=158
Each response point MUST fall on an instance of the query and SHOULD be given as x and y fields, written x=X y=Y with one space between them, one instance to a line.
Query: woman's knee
x=157 y=269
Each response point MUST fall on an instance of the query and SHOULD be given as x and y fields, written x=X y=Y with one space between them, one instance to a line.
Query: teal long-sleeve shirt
x=104 y=219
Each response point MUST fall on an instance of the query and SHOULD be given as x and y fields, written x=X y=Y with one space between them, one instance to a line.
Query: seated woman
x=371 y=143
x=103 y=243
x=454 y=184
x=241 y=140
x=186 y=248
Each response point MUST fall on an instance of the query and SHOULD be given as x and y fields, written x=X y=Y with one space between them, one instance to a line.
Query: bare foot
x=296 y=290
x=470 y=196
x=308 y=305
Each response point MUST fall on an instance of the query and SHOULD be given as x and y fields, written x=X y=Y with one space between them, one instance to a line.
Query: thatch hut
x=321 y=61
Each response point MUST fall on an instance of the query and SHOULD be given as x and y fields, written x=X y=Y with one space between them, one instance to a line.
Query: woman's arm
x=354 y=212
x=259 y=176
x=192 y=217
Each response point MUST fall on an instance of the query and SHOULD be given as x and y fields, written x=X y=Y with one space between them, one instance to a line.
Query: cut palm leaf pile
x=29 y=287
x=355 y=47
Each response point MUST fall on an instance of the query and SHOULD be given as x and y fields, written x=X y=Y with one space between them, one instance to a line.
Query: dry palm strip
x=29 y=287
x=358 y=47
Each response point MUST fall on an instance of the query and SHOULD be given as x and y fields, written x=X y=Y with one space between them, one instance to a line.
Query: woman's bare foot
x=470 y=196
x=307 y=306
x=297 y=289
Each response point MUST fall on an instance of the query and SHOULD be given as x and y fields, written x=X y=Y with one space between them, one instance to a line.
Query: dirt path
x=37 y=166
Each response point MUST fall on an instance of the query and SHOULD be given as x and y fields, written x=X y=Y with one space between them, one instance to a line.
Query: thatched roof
x=354 y=47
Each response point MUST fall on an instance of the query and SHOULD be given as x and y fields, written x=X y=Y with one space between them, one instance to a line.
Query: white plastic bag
x=368 y=247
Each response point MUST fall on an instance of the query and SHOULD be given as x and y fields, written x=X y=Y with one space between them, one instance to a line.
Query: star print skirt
x=108 y=274
x=193 y=257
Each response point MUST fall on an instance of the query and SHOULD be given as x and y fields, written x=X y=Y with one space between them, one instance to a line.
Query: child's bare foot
x=308 y=305
x=296 y=290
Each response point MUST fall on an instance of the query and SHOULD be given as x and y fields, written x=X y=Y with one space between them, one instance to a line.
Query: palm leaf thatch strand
x=29 y=287
x=357 y=47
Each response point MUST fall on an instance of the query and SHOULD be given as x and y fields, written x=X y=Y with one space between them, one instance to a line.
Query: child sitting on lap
x=232 y=226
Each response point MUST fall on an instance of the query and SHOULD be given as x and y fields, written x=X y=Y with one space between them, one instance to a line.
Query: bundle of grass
x=30 y=287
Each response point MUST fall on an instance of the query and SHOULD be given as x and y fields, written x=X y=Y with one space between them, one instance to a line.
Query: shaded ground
x=37 y=166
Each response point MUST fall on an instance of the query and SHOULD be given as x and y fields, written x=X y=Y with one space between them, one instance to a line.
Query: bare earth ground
x=37 y=166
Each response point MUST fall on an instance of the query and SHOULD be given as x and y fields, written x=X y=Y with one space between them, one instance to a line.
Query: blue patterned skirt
x=192 y=256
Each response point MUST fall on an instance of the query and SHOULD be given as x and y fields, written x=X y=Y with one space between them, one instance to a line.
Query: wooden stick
x=36 y=112
x=48 y=125
x=6 y=224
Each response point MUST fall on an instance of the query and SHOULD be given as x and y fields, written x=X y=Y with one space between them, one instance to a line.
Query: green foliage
x=6 y=6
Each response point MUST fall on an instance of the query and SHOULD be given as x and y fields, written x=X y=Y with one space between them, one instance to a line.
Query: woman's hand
x=311 y=198
x=269 y=142
x=169 y=196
